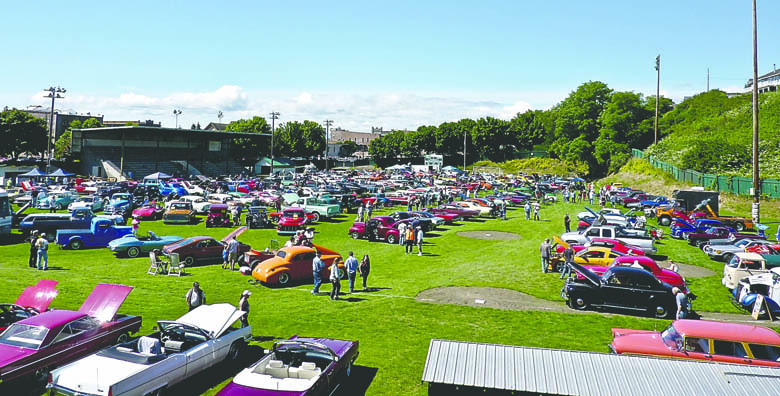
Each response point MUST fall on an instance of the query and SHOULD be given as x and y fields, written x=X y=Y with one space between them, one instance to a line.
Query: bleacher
x=140 y=162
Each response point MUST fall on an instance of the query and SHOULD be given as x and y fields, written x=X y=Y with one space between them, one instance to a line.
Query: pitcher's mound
x=489 y=235
x=490 y=297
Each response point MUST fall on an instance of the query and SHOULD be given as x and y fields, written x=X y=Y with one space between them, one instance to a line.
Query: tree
x=249 y=150
x=529 y=129
x=300 y=139
x=492 y=137
x=415 y=142
x=20 y=132
x=91 y=123
x=62 y=147
x=347 y=148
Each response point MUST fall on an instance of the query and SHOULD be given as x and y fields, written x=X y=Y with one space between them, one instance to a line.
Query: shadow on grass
x=50 y=268
x=11 y=239
x=432 y=235
x=359 y=381
x=429 y=255
x=373 y=289
x=475 y=220
x=350 y=299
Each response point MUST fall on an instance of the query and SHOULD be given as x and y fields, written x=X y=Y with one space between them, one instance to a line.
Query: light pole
x=327 y=123
x=53 y=93
x=176 y=114
x=274 y=117
x=657 y=93
x=465 y=133
x=756 y=212
x=220 y=115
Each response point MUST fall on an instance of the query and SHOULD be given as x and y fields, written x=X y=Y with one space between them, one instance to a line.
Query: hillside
x=712 y=133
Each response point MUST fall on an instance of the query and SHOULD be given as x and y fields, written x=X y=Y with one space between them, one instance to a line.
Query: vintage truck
x=743 y=265
x=100 y=233
x=317 y=207
x=49 y=223
x=636 y=237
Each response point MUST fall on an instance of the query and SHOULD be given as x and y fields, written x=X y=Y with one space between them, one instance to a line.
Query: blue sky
x=394 y=64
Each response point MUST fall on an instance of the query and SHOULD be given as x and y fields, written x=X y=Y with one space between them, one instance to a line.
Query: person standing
x=335 y=280
x=590 y=197
x=537 y=207
x=195 y=297
x=527 y=209
x=232 y=247
x=352 y=267
x=359 y=218
x=682 y=303
x=52 y=209
x=568 y=257
x=545 y=252
x=369 y=210
x=42 y=244
x=409 y=238
x=317 y=266
x=364 y=268
x=135 y=223
x=243 y=305
x=32 y=239
x=418 y=237
x=567 y=222
x=402 y=234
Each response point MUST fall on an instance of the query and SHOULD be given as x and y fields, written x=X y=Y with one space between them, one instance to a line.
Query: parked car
x=257 y=217
x=766 y=284
x=461 y=212
x=202 y=249
x=179 y=212
x=291 y=220
x=30 y=348
x=254 y=257
x=745 y=264
x=294 y=263
x=100 y=232
x=32 y=301
x=91 y=202
x=300 y=366
x=378 y=227
x=612 y=244
x=639 y=238
x=120 y=204
x=703 y=340
x=646 y=263
x=589 y=256
x=199 y=204
x=218 y=216
x=725 y=249
x=624 y=288
x=153 y=363
x=134 y=246
x=427 y=224
x=150 y=211
x=60 y=200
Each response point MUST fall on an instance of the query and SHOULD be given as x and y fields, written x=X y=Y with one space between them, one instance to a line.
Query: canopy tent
x=450 y=167
x=33 y=173
x=399 y=166
x=157 y=176
x=60 y=173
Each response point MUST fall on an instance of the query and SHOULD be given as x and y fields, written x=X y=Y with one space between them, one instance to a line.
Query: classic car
x=179 y=212
x=92 y=202
x=766 y=284
x=638 y=238
x=202 y=249
x=257 y=217
x=438 y=219
x=427 y=223
x=612 y=244
x=32 y=301
x=626 y=288
x=589 y=256
x=377 y=227
x=294 y=262
x=679 y=227
x=199 y=204
x=317 y=207
x=700 y=238
x=120 y=203
x=291 y=220
x=100 y=233
x=33 y=346
x=298 y=366
x=134 y=246
x=60 y=200
x=646 y=263
x=149 y=211
x=725 y=249
x=770 y=248
x=745 y=264
x=254 y=257
x=483 y=210
x=461 y=212
x=225 y=199
x=152 y=364
x=651 y=202
x=218 y=216
x=703 y=340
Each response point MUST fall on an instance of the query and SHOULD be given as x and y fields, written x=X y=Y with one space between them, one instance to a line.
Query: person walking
x=243 y=304
x=527 y=209
x=351 y=266
x=42 y=244
x=568 y=257
x=418 y=237
x=364 y=268
x=32 y=239
x=317 y=266
x=567 y=222
x=232 y=248
x=545 y=252
x=409 y=238
x=682 y=303
x=135 y=223
x=335 y=280
x=537 y=207
x=195 y=297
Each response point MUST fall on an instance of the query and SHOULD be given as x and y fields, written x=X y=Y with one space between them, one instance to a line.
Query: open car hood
x=39 y=296
x=588 y=274
x=560 y=241
x=214 y=319
x=104 y=301
x=290 y=198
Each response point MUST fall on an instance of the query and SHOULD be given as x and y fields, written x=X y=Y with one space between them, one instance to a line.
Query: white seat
x=149 y=346
x=276 y=369
x=155 y=265
x=308 y=370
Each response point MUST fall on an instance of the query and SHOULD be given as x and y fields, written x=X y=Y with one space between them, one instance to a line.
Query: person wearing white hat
x=243 y=304
x=43 y=257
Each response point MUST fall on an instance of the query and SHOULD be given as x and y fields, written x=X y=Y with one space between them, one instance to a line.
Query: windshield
x=180 y=206
x=25 y=336
x=672 y=338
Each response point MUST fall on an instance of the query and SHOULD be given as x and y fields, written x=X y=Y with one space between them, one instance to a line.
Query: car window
x=752 y=265
x=765 y=352
x=729 y=348
x=615 y=279
x=694 y=344
x=297 y=257
x=593 y=232
x=308 y=256
x=642 y=282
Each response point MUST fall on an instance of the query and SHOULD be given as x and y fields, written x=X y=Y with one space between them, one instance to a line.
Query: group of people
x=352 y=267
x=410 y=235
x=39 y=247
x=528 y=207
x=230 y=254
x=301 y=238
x=364 y=211
x=196 y=297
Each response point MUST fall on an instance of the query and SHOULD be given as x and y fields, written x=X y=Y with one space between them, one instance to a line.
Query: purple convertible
x=296 y=367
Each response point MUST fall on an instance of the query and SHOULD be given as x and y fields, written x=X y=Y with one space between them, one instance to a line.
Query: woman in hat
x=243 y=304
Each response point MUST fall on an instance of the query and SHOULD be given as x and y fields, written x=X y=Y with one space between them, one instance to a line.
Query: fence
x=731 y=184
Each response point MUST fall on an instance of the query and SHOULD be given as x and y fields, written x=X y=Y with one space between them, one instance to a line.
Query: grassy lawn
x=393 y=329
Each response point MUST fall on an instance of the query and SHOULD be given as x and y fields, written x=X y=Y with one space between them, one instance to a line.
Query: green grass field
x=393 y=329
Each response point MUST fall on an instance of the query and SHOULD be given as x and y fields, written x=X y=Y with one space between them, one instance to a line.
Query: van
x=747 y=264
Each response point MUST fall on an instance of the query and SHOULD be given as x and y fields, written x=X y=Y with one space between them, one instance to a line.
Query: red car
x=613 y=244
x=448 y=218
x=703 y=340
x=291 y=220
x=205 y=249
x=32 y=301
x=150 y=211
x=665 y=275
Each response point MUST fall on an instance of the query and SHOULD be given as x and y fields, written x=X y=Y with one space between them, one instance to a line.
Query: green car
x=61 y=200
x=132 y=246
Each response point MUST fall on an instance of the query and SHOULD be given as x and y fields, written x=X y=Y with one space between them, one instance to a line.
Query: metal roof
x=562 y=372
x=170 y=131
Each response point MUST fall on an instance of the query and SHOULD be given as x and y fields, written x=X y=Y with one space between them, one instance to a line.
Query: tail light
x=49 y=379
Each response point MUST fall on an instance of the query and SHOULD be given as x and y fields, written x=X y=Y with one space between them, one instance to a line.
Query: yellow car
x=590 y=256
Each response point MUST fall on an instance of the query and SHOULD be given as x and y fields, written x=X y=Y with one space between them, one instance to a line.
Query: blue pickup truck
x=101 y=231
x=49 y=223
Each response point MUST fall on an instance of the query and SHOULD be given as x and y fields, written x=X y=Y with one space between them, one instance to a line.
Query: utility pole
x=54 y=93
x=657 y=93
x=274 y=117
x=176 y=114
x=327 y=123
x=708 y=79
x=465 y=133
x=756 y=212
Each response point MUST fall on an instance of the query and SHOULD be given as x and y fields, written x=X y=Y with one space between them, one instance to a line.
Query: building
x=766 y=83
x=147 y=123
x=215 y=126
x=363 y=140
x=62 y=119
x=136 y=151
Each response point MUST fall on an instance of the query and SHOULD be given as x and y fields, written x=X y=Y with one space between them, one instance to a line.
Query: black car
x=623 y=288
x=257 y=217
x=425 y=223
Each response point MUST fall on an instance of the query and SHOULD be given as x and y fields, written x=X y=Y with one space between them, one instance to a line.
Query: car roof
x=750 y=256
x=52 y=319
x=297 y=249
x=727 y=331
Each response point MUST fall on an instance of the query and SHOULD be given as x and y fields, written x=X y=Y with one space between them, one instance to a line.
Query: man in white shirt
x=352 y=266
x=232 y=253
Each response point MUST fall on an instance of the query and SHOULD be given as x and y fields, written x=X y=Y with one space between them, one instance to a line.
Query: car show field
x=393 y=320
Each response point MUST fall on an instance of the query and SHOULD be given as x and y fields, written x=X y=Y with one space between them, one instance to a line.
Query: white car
x=199 y=204
x=192 y=189
x=90 y=201
x=154 y=363
x=483 y=210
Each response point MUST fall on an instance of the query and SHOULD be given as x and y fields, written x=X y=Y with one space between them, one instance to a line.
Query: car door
x=590 y=258
x=615 y=290
x=644 y=287
x=200 y=357
x=697 y=348
x=212 y=249
x=303 y=266
x=730 y=352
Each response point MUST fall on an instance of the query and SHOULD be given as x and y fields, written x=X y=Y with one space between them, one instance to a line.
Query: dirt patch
x=489 y=235
x=689 y=271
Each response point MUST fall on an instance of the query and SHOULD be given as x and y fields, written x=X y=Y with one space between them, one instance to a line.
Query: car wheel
x=315 y=217
x=391 y=239
x=665 y=220
x=75 y=244
x=579 y=303
x=58 y=206
x=661 y=312
x=355 y=235
x=41 y=375
x=254 y=264
x=241 y=261
x=284 y=278
x=123 y=338
x=739 y=227
x=189 y=261
x=133 y=252
x=234 y=352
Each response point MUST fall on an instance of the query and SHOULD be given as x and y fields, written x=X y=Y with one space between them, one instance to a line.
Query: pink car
x=149 y=211
x=663 y=274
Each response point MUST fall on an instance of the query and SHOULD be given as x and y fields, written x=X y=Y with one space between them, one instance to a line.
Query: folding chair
x=155 y=265
x=175 y=268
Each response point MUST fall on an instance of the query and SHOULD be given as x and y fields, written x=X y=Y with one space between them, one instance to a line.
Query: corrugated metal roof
x=561 y=372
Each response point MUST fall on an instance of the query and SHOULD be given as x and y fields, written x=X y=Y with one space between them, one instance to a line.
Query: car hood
x=642 y=341
x=143 y=211
x=10 y=354
x=39 y=296
x=214 y=318
x=105 y=300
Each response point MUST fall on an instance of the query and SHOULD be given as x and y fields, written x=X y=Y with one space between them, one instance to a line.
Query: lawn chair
x=156 y=266
x=175 y=268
